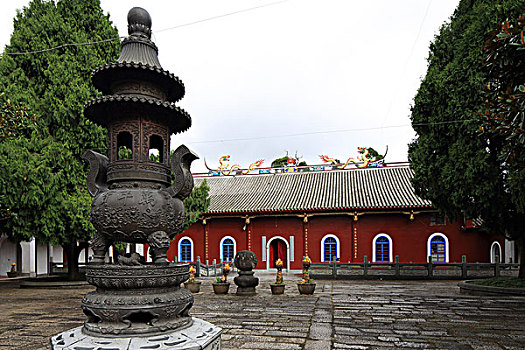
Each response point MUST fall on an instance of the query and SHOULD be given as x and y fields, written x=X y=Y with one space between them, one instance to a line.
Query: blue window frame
x=185 y=250
x=228 y=249
x=382 y=249
x=438 y=249
x=330 y=249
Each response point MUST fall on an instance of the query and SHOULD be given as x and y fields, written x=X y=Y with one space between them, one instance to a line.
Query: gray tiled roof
x=356 y=189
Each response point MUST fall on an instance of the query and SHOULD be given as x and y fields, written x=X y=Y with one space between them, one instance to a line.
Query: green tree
x=54 y=84
x=504 y=106
x=15 y=120
x=455 y=166
x=283 y=161
x=196 y=203
x=279 y=162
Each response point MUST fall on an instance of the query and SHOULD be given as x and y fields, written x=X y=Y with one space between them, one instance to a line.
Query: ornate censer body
x=140 y=209
x=137 y=193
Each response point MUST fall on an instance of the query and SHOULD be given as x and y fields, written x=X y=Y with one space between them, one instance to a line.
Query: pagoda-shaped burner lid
x=136 y=82
x=138 y=61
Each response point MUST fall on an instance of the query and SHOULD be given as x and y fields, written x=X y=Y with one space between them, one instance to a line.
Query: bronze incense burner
x=138 y=191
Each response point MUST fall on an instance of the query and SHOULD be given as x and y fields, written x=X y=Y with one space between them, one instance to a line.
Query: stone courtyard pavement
x=340 y=315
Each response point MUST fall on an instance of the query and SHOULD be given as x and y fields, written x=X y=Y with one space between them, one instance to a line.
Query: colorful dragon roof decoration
x=225 y=169
x=367 y=158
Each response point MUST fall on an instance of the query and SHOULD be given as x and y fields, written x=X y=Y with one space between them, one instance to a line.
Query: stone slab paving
x=340 y=315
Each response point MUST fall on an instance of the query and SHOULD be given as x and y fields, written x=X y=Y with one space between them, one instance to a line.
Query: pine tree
x=196 y=203
x=455 y=165
x=42 y=175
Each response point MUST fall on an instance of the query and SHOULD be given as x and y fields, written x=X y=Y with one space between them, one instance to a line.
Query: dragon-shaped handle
x=98 y=168
x=180 y=162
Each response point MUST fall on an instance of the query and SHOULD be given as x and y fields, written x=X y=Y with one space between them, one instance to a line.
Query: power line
x=327 y=132
x=157 y=31
x=221 y=16
x=408 y=60
x=59 y=47
x=336 y=131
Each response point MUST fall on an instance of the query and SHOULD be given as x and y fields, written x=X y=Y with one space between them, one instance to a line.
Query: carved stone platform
x=200 y=335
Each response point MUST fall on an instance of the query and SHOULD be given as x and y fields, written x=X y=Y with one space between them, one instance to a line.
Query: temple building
x=325 y=214
x=330 y=214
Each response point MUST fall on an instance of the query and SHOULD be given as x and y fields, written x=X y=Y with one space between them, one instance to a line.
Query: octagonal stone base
x=201 y=335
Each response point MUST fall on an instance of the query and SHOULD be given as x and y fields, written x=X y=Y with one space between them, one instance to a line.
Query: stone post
x=464 y=266
x=430 y=267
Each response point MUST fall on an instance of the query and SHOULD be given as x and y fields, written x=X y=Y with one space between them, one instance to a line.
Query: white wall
x=7 y=255
x=58 y=254
x=509 y=252
x=82 y=256
x=28 y=263
x=41 y=259
x=28 y=257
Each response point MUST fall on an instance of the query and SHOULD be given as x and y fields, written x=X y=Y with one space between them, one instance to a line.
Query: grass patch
x=504 y=282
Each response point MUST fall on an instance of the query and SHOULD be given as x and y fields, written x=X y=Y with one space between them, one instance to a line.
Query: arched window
x=124 y=146
x=495 y=252
x=329 y=248
x=438 y=248
x=156 y=148
x=227 y=248
x=382 y=248
x=185 y=250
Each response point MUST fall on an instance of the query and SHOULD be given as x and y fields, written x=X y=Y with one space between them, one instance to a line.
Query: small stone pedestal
x=246 y=261
x=200 y=335
x=246 y=283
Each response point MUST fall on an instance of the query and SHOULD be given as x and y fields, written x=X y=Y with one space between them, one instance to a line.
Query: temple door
x=278 y=251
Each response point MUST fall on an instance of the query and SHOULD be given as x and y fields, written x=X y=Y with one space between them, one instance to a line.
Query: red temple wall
x=409 y=237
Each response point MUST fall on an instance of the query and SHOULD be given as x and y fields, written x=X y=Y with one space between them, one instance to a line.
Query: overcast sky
x=297 y=75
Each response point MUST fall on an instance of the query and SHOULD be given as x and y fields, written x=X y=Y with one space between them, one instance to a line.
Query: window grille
x=227 y=250
x=438 y=249
x=437 y=219
x=185 y=250
x=382 y=249
x=330 y=249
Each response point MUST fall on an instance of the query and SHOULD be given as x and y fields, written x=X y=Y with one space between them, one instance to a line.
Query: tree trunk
x=521 y=251
x=72 y=252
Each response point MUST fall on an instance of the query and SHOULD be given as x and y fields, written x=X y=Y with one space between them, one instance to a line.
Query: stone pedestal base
x=201 y=335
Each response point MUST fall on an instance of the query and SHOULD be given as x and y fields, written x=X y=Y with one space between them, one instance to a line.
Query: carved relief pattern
x=154 y=167
x=98 y=242
x=139 y=87
x=131 y=215
x=168 y=309
x=122 y=165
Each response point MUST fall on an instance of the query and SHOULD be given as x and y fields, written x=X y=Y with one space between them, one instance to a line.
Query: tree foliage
x=288 y=161
x=455 y=165
x=504 y=105
x=37 y=192
x=196 y=203
x=15 y=120
x=43 y=176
